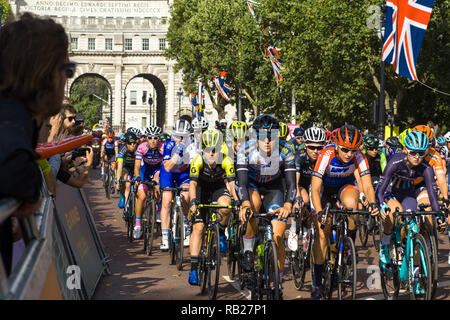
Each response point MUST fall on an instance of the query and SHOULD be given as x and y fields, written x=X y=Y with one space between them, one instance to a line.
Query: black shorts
x=207 y=193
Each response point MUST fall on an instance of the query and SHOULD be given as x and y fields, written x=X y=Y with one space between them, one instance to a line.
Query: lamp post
x=179 y=95
x=150 y=103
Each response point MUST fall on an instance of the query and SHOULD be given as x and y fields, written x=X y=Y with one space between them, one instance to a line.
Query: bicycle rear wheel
x=213 y=262
x=232 y=246
x=179 y=238
x=240 y=253
x=107 y=183
x=419 y=270
x=300 y=262
x=347 y=271
x=389 y=274
x=429 y=235
x=172 y=240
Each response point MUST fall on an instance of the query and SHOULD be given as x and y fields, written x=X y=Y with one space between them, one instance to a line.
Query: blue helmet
x=299 y=132
x=417 y=141
x=441 y=141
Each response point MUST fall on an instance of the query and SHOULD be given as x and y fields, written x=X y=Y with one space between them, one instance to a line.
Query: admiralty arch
x=120 y=41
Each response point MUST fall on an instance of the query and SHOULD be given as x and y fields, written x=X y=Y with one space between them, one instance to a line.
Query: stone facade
x=119 y=41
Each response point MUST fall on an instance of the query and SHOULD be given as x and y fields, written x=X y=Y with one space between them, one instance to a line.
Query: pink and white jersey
x=148 y=156
x=334 y=173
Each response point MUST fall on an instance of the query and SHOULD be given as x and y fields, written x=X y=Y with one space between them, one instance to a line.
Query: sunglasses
x=371 y=149
x=153 y=138
x=315 y=147
x=298 y=138
x=414 y=154
x=71 y=118
x=131 y=143
x=69 y=69
x=264 y=137
x=346 y=150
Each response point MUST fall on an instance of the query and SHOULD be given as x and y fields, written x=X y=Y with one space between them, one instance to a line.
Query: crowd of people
x=247 y=166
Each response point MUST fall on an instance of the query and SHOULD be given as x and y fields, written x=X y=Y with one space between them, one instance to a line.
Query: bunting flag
x=201 y=100
x=221 y=85
x=251 y=6
x=274 y=55
x=193 y=100
x=406 y=23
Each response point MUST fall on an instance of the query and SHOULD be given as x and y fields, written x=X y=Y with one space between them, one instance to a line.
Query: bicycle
x=340 y=264
x=265 y=280
x=129 y=209
x=234 y=232
x=149 y=225
x=367 y=226
x=108 y=184
x=300 y=260
x=210 y=257
x=176 y=232
x=410 y=259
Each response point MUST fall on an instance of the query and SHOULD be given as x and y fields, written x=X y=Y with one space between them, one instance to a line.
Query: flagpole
x=239 y=105
x=382 y=110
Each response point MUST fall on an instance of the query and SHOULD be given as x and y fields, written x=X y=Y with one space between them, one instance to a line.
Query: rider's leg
x=349 y=198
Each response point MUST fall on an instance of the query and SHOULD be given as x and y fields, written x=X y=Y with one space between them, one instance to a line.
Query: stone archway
x=105 y=88
x=160 y=97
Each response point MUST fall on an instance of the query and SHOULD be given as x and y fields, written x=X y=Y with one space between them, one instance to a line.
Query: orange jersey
x=433 y=158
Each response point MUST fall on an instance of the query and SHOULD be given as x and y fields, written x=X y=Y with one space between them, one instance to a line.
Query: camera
x=79 y=152
x=79 y=119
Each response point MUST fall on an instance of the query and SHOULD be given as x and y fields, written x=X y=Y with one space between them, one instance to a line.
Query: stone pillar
x=170 y=99
x=118 y=100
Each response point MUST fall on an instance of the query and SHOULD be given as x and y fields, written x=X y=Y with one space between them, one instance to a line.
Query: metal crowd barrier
x=42 y=271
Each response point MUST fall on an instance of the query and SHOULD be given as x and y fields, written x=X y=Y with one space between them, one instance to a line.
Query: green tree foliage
x=6 y=11
x=330 y=53
x=82 y=97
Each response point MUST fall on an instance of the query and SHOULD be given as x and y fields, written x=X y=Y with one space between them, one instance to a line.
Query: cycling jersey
x=127 y=158
x=376 y=164
x=305 y=167
x=433 y=158
x=180 y=172
x=398 y=181
x=183 y=163
x=204 y=173
x=109 y=147
x=335 y=173
x=257 y=169
x=151 y=160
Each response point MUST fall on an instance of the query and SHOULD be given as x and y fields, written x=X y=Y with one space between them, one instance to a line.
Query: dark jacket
x=19 y=173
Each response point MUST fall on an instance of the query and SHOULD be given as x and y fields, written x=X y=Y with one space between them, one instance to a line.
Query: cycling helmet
x=417 y=141
x=441 y=141
x=181 y=128
x=370 y=141
x=130 y=137
x=348 y=136
x=110 y=133
x=153 y=131
x=425 y=129
x=238 y=130
x=284 y=130
x=315 y=135
x=122 y=136
x=267 y=122
x=200 y=123
x=447 y=137
x=328 y=135
x=164 y=137
x=210 y=138
x=393 y=142
x=299 y=132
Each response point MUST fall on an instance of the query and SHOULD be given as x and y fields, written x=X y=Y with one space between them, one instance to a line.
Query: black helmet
x=371 y=142
x=393 y=142
x=164 y=137
x=267 y=122
x=130 y=137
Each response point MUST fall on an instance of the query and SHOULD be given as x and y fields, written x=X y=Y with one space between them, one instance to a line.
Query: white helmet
x=447 y=137
x=200 y=123
x=181 y=127
x=153 y=131
x=314 y=135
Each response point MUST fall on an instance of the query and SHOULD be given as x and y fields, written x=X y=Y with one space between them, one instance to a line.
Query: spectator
x=34 y=69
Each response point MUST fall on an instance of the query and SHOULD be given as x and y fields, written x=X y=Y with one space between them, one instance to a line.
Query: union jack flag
x=406 y=23
x=223 y=87
x=274 y=55
x=201 y=100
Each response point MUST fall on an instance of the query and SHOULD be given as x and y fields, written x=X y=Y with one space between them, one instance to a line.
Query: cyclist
x=315 y=139
x=283 y=133
x=393 y=145
x=175 y=168
x=238 y=135
x=125 y=165
x=147 y=165
x=397 y=189
x=261 y=165
x=211 y=179
x=375 y=158
x=334 y=174
x=297 y=140
x=199 y=125
x=109 y=151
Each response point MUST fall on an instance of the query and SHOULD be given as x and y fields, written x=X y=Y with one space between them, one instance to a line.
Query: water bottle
x=268 y=235
x=260 y=255
x=333 y=245
x=305 y=239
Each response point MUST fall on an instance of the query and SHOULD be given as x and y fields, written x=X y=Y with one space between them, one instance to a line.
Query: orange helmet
x=425 y=129
x=110 y=133
x=348 y=136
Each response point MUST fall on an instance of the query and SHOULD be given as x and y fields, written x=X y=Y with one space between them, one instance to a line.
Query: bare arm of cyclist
x=316 y=185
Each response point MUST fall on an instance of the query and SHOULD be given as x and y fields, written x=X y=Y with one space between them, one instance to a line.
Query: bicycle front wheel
x=213 y=262
x=131 y=218
x=271 y=277
x=202 y=269
x=179 y=238
x=389 y=274
x=151 y=227
x=363 y=230
x=232 y=245
x=419 y=270
x=347 y=271
x=429 y=236
x=377 y=233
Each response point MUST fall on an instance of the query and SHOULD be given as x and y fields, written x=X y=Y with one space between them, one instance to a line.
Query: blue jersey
x=183 y=163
